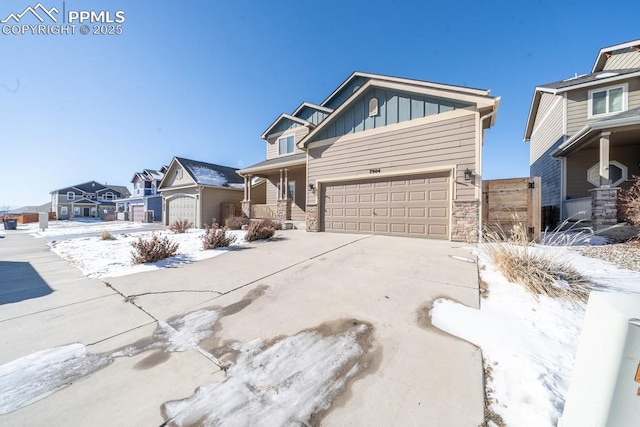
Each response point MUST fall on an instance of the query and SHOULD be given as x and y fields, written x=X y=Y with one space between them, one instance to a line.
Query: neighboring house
x=145 y=197
x=88 y=200
x=584 y=133
x=194 y=191
x=382 y=155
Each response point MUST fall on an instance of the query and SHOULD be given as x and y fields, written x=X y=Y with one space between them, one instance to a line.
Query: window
x=617 y=174
x=107 y=196
x=64 y=210
x=179 y=173
x=71 y=195
x=609 y=100
x=285 y=145
x=373 y=107
x=76 y=211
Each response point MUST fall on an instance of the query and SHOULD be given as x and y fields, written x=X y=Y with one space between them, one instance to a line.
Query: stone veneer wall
x=283 y=210
x=604 y=210
x=465 y=221
x=312 y=222
x=246 y=209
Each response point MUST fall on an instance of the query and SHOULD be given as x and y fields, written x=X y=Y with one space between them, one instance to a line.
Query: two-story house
x=380 y=155
x=88 y=200
x=145 y=197
x=584 y=133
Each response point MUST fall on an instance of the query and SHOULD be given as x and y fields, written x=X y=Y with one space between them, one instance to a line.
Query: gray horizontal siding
x=623 y=60
x=549 y=170
x=549 y=126
x=393 y=107
x=447 y=142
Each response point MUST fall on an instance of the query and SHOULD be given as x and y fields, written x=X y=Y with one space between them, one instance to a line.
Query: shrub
x=540 y=273
x=260 y=229
x=153 y=249
x=235 y=222
x=216 y=237
x=629 y=202
x=105 y=235
x=180 y=226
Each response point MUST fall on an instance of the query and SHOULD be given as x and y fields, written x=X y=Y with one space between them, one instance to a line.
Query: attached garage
x=410 y=205
x=137 y=213
x=181 y=208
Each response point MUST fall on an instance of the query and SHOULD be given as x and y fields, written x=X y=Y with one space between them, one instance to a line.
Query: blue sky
x=203 y=79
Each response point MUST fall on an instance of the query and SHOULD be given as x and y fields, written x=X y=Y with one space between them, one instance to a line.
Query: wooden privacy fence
x=506 y=202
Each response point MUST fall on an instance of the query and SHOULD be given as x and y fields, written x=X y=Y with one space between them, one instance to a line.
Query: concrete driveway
x=413 y=375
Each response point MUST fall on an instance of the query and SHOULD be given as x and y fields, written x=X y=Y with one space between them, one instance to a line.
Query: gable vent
x=373 y=107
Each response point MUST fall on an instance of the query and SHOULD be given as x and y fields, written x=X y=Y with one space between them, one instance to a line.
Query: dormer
x=622 y=56
x=283 y=135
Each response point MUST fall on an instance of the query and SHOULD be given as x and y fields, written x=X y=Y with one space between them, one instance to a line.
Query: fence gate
x=506 y=202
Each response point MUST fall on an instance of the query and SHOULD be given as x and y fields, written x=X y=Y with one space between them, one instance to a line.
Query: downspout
x=480 y=211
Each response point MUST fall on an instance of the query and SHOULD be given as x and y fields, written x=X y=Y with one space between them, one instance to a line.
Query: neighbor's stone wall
x=246 y=209
x=604 y=209
x=465 y=221
x=283 y=210
x=312 y=218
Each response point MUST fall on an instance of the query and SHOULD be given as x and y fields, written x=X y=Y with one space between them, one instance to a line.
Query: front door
x=85 y=212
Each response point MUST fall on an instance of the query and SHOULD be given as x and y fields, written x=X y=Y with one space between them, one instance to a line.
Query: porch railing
x=263 y=211
x=578 y=209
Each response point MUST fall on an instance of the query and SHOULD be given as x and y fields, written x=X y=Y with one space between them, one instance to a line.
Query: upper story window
x=608 y=100
x=285 y=145
x=71 y=195
x=107 y=196
x=179 y=173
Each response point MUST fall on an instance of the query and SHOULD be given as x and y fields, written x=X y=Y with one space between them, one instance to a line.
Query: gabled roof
x=120 y=189
x=149 y=175
x=449 y=87
x=313 y=106
x=94 y=187
x=481 y=98
x=625 y=118
x=605 y=52
x=211 y=174
x=86 y=201
x=282 y=117
x=278 y=161
x=587 y=80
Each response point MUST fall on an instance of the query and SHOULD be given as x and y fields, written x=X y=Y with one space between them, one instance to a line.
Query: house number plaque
x=377 y=170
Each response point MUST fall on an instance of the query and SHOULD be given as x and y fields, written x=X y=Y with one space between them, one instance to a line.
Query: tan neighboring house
x=584 y=133
x=380 y=155
x=194 y=191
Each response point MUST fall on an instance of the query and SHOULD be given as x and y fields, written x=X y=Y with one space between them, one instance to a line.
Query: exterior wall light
x=468 y=173
x=311 y=187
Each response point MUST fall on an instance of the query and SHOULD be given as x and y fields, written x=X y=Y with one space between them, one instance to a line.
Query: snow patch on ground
x=186 y=332
x=529 y=343
x=111 y=258
x=280 y=384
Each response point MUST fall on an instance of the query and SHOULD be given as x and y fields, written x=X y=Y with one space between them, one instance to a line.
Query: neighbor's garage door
x=414 y=206
x=137 y=213
x=180 y=208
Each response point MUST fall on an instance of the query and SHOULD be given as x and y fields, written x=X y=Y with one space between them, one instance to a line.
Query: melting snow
x=208 y=176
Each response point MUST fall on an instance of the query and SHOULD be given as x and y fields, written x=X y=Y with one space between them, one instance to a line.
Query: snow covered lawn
x=528 y=343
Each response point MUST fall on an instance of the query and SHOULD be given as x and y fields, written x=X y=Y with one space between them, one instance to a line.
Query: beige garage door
x=182 y=207
x=137 y=213
x=414 y=206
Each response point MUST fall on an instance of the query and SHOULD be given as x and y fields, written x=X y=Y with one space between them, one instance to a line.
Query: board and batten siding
x=272 y=141
x=623 y=60
x=312 y=115
x=210 y=200
x=548 y=128
x=577 y=103
x=298 y=203
x=429 y=143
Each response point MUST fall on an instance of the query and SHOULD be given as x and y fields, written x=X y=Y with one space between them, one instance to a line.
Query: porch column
x=281 y=186
x=285 y=188
x=604 y=159
x=245 y=188
x=249 y=178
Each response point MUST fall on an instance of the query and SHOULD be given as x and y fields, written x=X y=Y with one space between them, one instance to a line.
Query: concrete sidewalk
x=417 y=375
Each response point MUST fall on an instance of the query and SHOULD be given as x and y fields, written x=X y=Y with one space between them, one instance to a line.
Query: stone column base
x=246 y=209
x=604 y=207
x=311 y=218
x=465 y=221
x=283 y=210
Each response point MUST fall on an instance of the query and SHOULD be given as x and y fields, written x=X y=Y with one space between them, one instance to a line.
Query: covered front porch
x=285 y=193
x=597 y=163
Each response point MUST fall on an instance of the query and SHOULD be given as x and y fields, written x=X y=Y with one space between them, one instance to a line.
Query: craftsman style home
x=381 y=155
x=584 y=133
x=88 y=200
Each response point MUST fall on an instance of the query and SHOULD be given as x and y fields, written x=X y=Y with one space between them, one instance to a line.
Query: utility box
x=148 y=216
x=605 y=383
x=43 y=219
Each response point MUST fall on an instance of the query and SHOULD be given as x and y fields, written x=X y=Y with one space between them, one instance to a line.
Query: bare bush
x=235 y=222
x=180 y=226
x=216 y=237
x=260 y=229
x=105 y=235
x=153 y=249
x=629 y=202
x=540 y=273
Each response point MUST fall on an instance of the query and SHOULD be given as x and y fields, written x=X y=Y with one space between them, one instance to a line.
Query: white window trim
x=64 y=210
x=292 y=135
x=72 y=194
x=596 y=167
x=77 y=210
x=625 y=97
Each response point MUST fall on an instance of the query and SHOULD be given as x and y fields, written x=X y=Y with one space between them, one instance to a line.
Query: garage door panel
x=407 y=206
x=182 y=208
x=137 y=213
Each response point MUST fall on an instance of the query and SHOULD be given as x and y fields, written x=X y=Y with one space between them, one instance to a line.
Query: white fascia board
x=314 y=106
x=607 y=49
x=284 y=116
